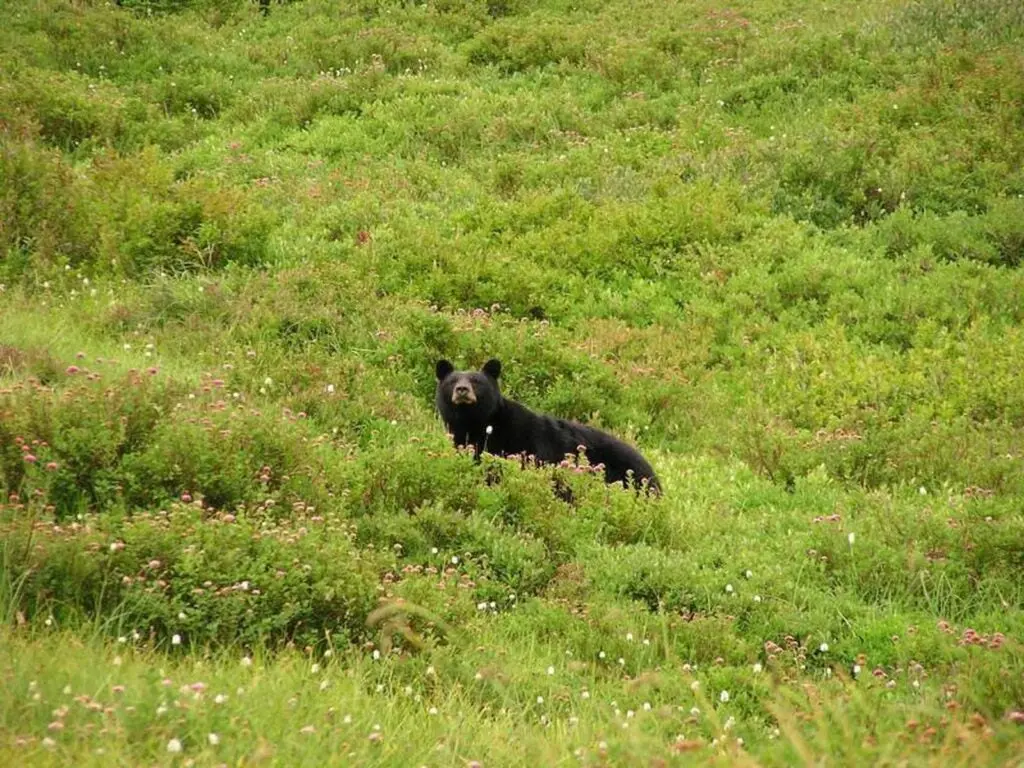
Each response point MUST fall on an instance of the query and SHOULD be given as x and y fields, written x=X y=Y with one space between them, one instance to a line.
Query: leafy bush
x=995 y=237
x=216 y=579
x=46 y=216
x=515 y=47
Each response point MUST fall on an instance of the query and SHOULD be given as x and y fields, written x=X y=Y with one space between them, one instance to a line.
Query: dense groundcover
x=777 y=245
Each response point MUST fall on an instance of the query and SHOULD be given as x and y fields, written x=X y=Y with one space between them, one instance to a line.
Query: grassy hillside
x=778 y=245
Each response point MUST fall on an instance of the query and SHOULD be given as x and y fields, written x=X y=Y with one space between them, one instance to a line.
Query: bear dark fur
x=470 y=403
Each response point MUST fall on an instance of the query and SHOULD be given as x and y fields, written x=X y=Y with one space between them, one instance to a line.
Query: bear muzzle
x=462 y=393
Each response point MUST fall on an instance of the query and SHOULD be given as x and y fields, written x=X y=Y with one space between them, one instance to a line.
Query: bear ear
x=442 y=369
x=493 y=368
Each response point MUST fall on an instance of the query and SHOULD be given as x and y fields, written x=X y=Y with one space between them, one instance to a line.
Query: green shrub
x=995 y=237
x=226 y=580
x=84 y=432
x=70 y=112
x=515 y=46
x=45 y=213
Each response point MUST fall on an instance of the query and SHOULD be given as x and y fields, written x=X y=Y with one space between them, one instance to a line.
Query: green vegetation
x=778 y=245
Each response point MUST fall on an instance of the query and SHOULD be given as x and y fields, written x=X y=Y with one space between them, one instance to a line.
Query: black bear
x=476 y=413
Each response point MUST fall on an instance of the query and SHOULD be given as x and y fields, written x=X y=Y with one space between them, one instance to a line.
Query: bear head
x=468 y=398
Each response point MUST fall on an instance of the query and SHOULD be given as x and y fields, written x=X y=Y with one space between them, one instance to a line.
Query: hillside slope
x=777 y=245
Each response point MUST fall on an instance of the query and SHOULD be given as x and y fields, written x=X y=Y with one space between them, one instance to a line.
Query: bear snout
x=462 y=393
